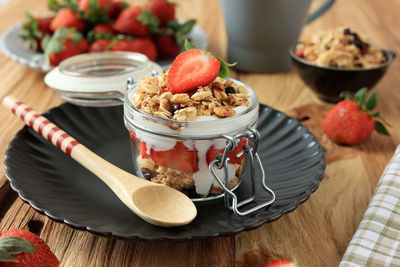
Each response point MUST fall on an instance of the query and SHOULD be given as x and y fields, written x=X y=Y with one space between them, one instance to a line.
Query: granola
x=178 y=179
x=216 y=99
x=340 y=48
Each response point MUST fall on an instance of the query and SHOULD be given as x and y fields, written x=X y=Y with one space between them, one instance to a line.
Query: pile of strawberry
x=81 y=26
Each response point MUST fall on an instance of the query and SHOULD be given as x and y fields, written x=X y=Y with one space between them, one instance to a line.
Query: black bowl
x=329 y=82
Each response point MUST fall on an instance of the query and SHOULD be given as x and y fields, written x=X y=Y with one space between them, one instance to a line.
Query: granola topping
x=340 y=48
x=217 y=99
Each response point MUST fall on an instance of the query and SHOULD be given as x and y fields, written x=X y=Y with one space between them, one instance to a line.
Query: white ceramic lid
x=99 y=79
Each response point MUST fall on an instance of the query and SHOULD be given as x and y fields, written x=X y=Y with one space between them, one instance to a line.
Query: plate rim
x=305 y=195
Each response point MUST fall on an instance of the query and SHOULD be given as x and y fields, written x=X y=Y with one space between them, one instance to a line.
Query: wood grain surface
x=316 y=233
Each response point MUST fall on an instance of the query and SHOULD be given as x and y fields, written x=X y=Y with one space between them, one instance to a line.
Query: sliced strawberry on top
x=231 y=154
x=191 y=69
x=179 y=158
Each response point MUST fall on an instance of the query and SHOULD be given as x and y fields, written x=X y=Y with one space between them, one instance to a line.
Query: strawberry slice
x=191 y=69
x=179 y=158
x=231 y=154
x=140 y=145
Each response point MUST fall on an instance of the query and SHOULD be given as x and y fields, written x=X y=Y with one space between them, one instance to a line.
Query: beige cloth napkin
x=377 y=239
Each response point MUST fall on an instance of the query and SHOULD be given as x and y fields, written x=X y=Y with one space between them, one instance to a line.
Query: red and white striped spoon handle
x=40 y=124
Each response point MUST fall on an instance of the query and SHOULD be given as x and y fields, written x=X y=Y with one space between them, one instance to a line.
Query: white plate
x=13 y=46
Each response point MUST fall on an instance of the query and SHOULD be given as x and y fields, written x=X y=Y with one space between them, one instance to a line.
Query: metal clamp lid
x=221 y=161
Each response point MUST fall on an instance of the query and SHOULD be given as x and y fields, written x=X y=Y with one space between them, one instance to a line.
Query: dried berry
x=147 y=173
x=362 y=46
x=173 y=108
x=229 y=90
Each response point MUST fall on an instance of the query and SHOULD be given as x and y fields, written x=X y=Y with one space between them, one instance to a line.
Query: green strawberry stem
x=223 y=67
x=11 y=245
x=368 y=106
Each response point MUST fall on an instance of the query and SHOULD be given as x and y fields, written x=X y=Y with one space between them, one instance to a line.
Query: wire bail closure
x=221 y=161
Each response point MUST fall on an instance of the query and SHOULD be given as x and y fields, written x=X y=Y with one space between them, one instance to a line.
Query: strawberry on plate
x=115 y=9
x=128 y=22
x=94 y=5
x=64 y=43
x=103 y=28
x=33 y=31
x=352 y=120
x=281 y=263
x=21 y=248
x=169 y=38
x=166 y=46
x=162 y=9
x=139 y=45
x=179 y=158
x=100 y=45
x=67 y=18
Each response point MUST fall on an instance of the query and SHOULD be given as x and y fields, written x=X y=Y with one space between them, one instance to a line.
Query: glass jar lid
x=99 y=79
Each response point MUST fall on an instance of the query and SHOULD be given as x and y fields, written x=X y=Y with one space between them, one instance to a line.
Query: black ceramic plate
x=55 y=184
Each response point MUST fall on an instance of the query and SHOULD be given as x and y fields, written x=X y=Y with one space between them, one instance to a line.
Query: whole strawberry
x=33 y=31
x=281 y=263
x=163 y=10
x=64 y=43
x=67 y=18
x=131 y=22
x=352 y=120
x=23 y=248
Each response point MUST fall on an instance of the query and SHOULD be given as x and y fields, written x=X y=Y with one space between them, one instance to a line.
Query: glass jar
x=179 y=154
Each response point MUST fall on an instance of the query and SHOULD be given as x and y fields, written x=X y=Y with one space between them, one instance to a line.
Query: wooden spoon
x=155 y=203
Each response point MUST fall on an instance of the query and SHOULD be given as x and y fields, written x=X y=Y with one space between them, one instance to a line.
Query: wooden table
x=316 y=233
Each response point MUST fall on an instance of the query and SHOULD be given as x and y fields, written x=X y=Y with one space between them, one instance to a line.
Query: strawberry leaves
x=368 y=106
x=223 y=65
x=11 y=245
x=30 y=32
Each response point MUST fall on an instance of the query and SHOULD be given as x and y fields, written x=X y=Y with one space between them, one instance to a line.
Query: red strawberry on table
x=191 y=69
x=280 y=263
x=33 y=31
x=67 y=18
x=64 y=43
x=162 y=9
x=20 y=248
x=352 y=120
x=128 y=22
